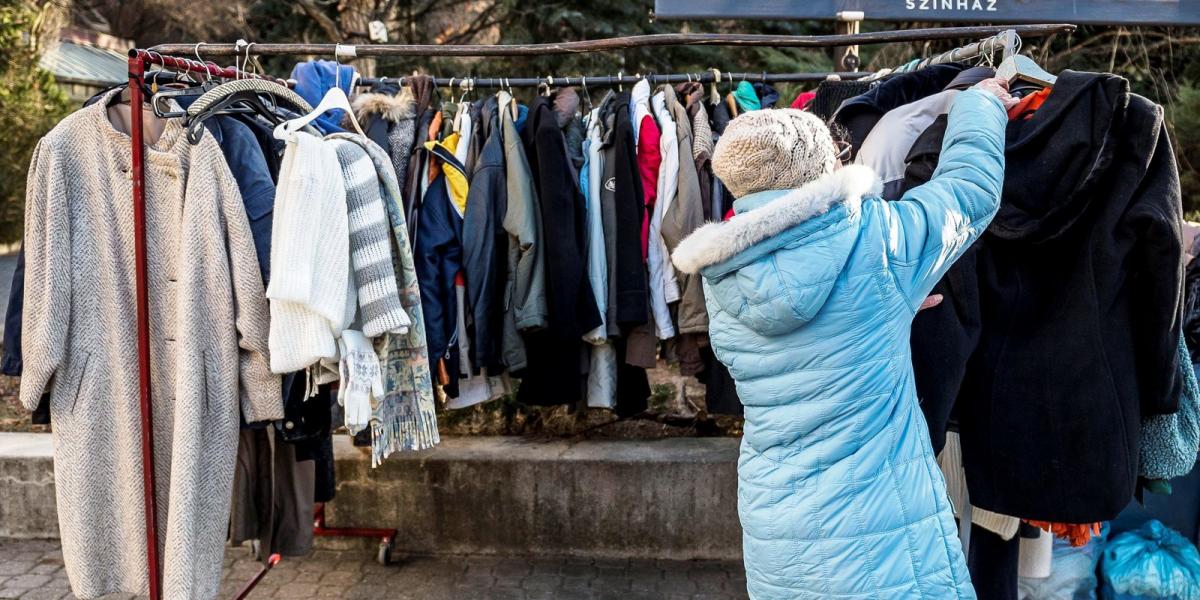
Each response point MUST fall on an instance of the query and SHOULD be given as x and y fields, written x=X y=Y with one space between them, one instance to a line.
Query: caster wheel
x=384 y=554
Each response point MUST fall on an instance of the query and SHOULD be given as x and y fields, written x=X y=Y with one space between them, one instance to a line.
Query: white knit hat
x=773 y=149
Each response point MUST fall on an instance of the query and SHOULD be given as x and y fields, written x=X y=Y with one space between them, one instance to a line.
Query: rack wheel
x=256 y=549
x=384 y=555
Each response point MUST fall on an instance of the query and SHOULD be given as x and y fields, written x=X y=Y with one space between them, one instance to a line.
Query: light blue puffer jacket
x=811 y=293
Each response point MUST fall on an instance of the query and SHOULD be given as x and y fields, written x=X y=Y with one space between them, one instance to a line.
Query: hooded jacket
x=1076 y=292
x=811 y=293
x=556 y=353
x=314 y=79
x=485 y=245
x=438 y=251
x=392 y=117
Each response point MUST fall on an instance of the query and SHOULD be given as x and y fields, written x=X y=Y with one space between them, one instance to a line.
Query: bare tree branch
x=328 y=25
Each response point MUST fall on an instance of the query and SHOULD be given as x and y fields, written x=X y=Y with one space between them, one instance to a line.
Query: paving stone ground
x=32 y=570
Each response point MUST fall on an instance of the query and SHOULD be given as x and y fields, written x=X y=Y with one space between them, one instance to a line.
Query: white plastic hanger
x=335 y=98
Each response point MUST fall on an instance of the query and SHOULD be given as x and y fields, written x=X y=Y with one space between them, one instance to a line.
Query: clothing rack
x=167 y=56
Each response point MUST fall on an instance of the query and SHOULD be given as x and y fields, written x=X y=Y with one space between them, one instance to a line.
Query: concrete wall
x=673 y=498
x=27 y=507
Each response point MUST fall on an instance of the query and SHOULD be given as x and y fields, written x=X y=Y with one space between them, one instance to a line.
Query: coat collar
x=718 y=242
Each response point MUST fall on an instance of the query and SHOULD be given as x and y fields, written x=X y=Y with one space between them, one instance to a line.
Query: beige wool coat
x=208 y=338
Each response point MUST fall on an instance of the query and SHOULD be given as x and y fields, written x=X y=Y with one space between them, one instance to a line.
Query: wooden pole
x=624 y=43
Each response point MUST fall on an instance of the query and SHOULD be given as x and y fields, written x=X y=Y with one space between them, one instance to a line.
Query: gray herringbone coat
x=208 y=337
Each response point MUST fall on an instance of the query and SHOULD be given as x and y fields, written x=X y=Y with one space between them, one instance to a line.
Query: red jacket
x=649 y=157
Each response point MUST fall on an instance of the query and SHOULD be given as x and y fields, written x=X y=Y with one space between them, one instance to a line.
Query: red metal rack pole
x=137 y=69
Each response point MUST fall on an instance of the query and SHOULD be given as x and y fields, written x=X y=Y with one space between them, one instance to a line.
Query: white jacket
x=664 y=289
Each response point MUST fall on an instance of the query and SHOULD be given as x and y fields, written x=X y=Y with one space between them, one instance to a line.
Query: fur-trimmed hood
x=390 y=108
x=717 y=242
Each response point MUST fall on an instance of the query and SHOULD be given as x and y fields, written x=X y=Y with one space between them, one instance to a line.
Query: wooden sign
x=1080 y=12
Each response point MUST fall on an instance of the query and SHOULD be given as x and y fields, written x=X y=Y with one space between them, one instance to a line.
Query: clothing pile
x=1055 y=358
x=542 y=235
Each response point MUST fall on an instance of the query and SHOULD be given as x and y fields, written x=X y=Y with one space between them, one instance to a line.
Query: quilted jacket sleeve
x=47 y=316
x=933 y=224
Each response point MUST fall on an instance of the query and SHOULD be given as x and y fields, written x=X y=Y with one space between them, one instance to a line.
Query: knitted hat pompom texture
x=774 y=149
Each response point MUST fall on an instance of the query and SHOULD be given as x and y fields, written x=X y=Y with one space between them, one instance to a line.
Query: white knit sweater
x=310 y=255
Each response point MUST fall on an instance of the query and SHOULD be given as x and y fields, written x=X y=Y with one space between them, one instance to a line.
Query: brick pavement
x=32 y=570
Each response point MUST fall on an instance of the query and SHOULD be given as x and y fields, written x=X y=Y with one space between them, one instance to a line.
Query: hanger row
x=620 y=79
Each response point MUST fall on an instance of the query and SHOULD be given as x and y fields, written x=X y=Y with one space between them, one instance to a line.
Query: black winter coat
x=485 y=244
x=633 y=305
x=1076 y=292
x=557 y=357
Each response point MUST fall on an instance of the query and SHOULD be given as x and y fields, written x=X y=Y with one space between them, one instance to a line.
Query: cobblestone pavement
x=32 y=569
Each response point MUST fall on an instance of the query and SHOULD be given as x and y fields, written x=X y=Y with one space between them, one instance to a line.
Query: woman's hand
x=998 y=88
x=930 y=302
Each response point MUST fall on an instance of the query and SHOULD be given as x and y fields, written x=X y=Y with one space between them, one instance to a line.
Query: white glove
x=361 y=378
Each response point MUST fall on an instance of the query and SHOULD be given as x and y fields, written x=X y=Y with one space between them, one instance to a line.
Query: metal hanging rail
x=1007 y=41
x=624 y=43
x=153 y=57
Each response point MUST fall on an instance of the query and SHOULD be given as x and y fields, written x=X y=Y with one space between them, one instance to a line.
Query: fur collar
x=718 y=242
x=390 y=108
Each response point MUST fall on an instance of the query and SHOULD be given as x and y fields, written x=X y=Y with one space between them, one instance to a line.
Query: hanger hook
x=463 y=87
x=248 y=59
x=196 y=50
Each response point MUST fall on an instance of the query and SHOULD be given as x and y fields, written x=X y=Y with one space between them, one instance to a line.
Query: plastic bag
x=1072 y=574
x=1151 y=562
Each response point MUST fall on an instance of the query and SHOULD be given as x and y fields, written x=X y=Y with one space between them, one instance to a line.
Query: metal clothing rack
x=141 y=59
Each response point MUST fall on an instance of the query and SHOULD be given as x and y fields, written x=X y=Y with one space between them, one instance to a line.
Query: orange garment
x=1077 y=533
x=1029 y=105
x=435 y=127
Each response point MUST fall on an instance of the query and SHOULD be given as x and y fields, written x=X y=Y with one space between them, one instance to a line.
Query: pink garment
x=802 y=100
x=648 y=158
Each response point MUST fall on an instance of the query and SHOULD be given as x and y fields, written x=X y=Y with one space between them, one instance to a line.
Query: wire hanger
x=587 y=98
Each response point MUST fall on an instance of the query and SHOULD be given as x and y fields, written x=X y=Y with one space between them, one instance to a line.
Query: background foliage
x=30 y=102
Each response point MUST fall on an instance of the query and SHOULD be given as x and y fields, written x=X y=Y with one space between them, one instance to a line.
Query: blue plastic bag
x=1151 y=562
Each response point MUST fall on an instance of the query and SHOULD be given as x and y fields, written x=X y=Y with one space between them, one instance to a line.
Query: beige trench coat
x=208 y=336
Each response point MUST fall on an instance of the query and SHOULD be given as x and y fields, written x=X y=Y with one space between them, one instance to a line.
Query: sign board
x=1079 y=12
